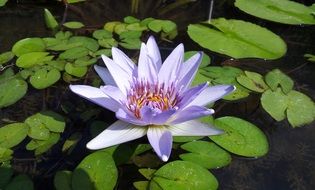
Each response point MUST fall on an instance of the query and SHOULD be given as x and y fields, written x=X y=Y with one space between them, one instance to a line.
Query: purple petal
x=121 y=77
x=95 y=95
x=170 y=68
x=124 y=61
x=193 y=128
x=154 y=53
x=127 y=116
x=191 y=94
x=189 y=69
x=190 y=113
x=105 y=75
x=114 y=93
x=119 y=132
x=155 y=116
x=146 y=69
x=211 y=94
x=161 y=141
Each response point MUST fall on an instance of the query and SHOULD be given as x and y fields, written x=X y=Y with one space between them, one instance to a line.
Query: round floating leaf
x=5 y=175
x=131 y=43
x=110 y=26
x=119 y=28
x=283 y=11
x=74 y=25
x=199 y=79
x=28 y=60
x=41 y=146
x=20 y=182
x=205 y=58
x=277 y=78
x=74 y=53
x=275 y=103
x=147 y=173
x=238 y=39
x=5 y=154
x=240 y=137
x=166 y=26
x=102 y=34
x=131 y=19
x=205 y=154
x=3 y=2
x=28 y=45
x=86 y=42
x=141 y=185
x=182 y=175
x=50 y=20
x=62 y=180
x=6 y=57
x=43 y=78
x=12 y=134
x=136 y=27
x=96 y=171
x=51 y=120
x=301 y=109
x=11 y=91
x=108 y=42
x=130 y=34
x=75 y=71
x=253 y=81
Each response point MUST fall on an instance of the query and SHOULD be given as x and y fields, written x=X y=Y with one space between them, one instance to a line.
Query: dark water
x=290 y=163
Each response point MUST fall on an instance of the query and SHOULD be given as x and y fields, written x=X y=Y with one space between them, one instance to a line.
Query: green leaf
x=85 y=61
x=130 y=34
x=205 y=154
x=89 y=43
x=42 y=78
x=5 y=175
x=62 y=180
x=199 y=79
x=136 y=27
x=182 y=175
x=205 y=58
x=110 y=26
x=75 y=71
x=6 y=57
x=141 y=185
x=5 y=154
x=131 y=19
x=28 y=45
x=11 y=90
x=20 y=182
x=283 y=11
x=50 y=20
x=275 y=103
x=277 y=78
x=240 y=137
x=253 y=81
x=301 y=109
x=131 y=43
x=73 y=25
x=119 y=28
x=29 y=60
x=108 y=42
x=74 y=53
x=74 y=1
x=96 y=171
x=3 y=2
x=166 y=26
x=238 y=39
x=12 y=134
x=51 y=120
x=147 y=173
x=41 y=146
x=71 y=142
x=102 y=34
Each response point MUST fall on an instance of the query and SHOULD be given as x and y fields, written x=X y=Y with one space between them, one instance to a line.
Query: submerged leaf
x=20 y=182
x=238 y=39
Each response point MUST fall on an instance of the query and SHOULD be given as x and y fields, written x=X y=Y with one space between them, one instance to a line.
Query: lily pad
x=89 y=43
x=62 y=180
x=277 y=78
x=275 y=103
x=141 y=185
x=110 y=26
x=74 y=53
x=162 y=25
x=205 y=58
x=147 y=173
x=102 y=34
x=6 y=57
x=28 y=60
x=28 y=45
x=301 y=109
x=183 y=175
x=12 y=134
x=238 y=39
x=253 y=81
x=43 y=78
x=50 y=20
x=5 y=154
x=20 y=182
x=240 y=137
x=205 y=154
x=131 y=43
x=96 y=171
x=75 y=70
x=108 y=42
x=283 y=11
x=41 y=146
x=74 y=25
x=51 y=120
x=131 y=19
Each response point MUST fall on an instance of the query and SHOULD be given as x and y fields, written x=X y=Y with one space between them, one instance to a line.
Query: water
x=290 y=163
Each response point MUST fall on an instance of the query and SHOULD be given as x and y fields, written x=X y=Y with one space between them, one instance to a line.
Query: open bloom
x=152 y=99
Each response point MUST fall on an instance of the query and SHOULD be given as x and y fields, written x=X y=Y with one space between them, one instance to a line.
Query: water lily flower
x=152 y=98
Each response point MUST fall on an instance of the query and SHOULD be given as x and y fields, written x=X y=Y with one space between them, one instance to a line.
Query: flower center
x=155 y=96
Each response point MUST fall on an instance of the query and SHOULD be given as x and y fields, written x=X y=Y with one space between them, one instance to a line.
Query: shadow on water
x=290 y=163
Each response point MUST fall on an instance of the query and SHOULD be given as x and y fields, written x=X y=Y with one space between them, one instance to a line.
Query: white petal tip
x=211 y=111
x=90 y=146
x=164 y=158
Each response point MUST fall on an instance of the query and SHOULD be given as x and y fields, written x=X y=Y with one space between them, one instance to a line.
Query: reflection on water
x=290 y=163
